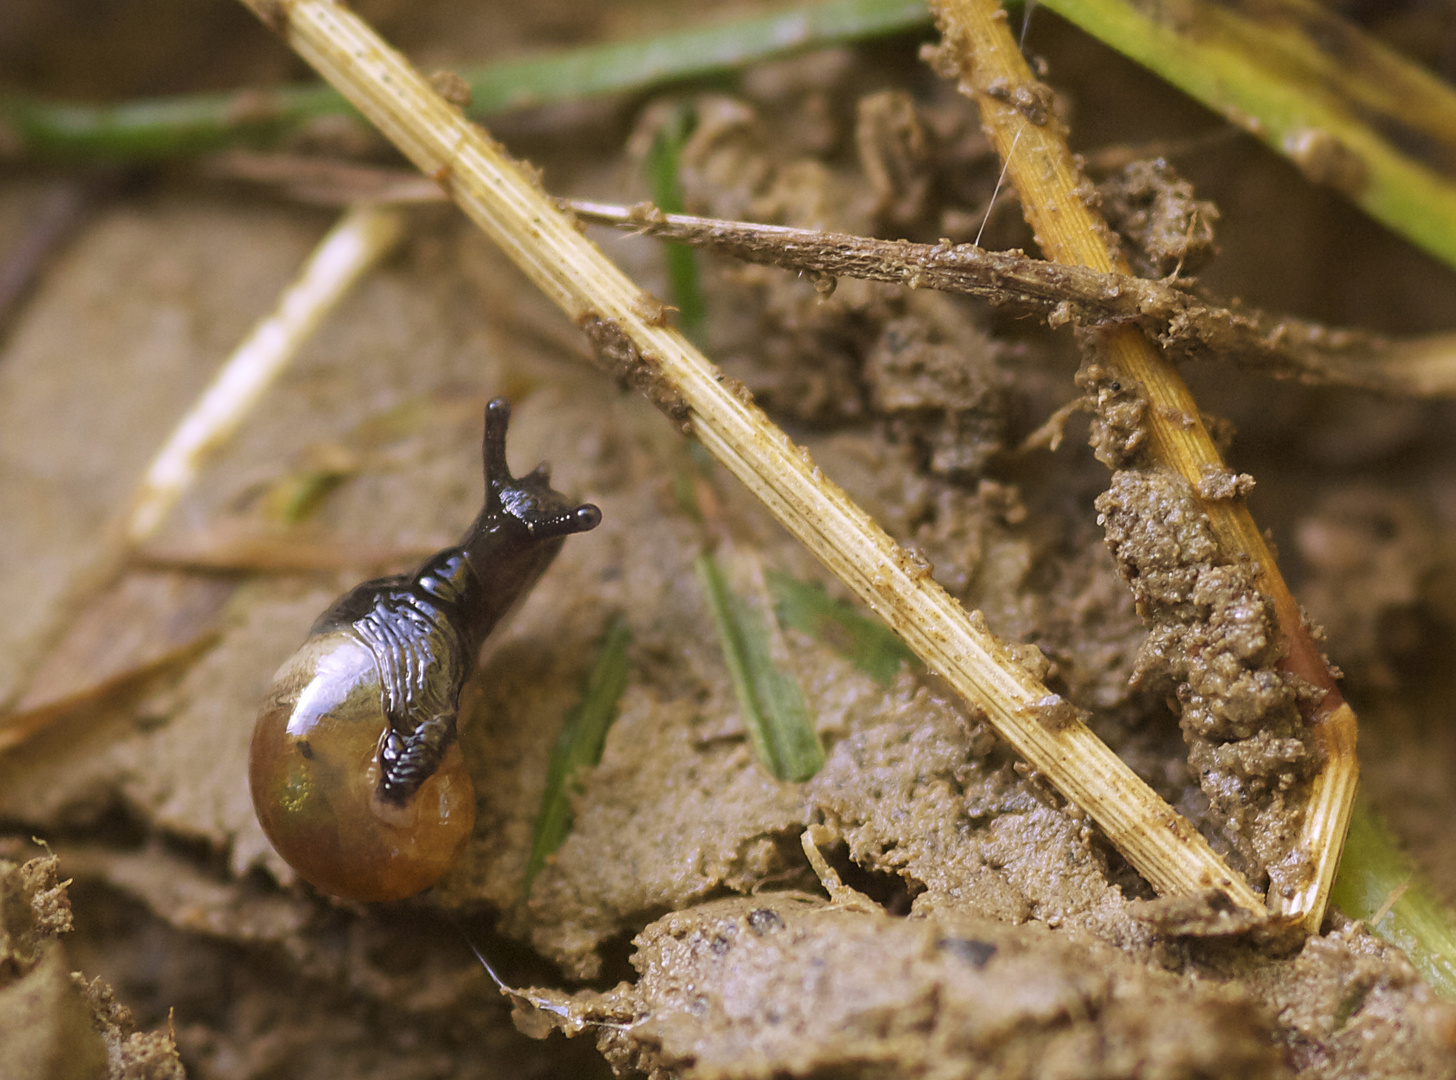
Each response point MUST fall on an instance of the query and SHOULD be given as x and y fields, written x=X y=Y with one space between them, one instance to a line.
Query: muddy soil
x=970 y=922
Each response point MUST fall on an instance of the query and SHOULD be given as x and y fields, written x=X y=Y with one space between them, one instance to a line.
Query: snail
x=355 y=768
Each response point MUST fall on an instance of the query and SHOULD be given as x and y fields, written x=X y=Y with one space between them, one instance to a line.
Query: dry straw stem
x=1186 y=322
x=1183 y=322
x=1017 y=114
x=630 y=332
x=360 y=239
x=357 y=242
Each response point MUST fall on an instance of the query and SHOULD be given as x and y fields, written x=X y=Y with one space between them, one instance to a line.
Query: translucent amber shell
x=314 y=773
x=356 y=769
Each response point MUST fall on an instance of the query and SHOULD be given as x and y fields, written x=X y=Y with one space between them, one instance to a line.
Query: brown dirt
x=1212 y=642
x=998 y=933
x=54 y=1024
x=760 y=987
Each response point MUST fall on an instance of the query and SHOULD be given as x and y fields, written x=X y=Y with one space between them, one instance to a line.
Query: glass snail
x=356 y=771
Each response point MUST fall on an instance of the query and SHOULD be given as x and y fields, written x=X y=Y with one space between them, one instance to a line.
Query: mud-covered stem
x=1052 y=189
x=509 y=206
x=1188 y=324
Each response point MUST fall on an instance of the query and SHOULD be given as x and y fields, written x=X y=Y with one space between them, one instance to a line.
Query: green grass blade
x=1346 y=109
x=293 y=498
x=691 y=53
x=1378 y=883
x=662 y=165
x=194 y=124
x=867 y=643
x=579 y=746
x=779 y=724
x=160 y=127
x=691 y=466
x=1343 y=107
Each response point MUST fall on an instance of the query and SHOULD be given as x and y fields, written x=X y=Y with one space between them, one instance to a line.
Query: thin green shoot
x=662 y=167
x=200 y=123
x=1379 y=884
x=692 y=468
x=779 y=724
x=865 y=642
x=294 y=498
x=579 y=746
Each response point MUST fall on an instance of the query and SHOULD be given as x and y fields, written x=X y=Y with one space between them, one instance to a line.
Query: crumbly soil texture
x=965 y=920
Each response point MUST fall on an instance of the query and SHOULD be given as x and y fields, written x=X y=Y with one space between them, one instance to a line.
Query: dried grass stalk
x=357 y=242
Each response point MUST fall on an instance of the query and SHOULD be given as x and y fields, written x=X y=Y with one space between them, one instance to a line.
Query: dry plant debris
x=1016 y=899
x=1185 y=323
x=1347 y=110
x=170 y=615
x=627 y=331
x=1140 y=396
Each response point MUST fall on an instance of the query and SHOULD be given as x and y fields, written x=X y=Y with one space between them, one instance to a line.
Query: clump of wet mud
x=1168 y=229
x=1212 y=643
x=787 y=984
x=54 y=1024
x=774 y=986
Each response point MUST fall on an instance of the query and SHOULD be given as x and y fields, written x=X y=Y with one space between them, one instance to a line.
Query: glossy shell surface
x=314 y=774
x=356 y=769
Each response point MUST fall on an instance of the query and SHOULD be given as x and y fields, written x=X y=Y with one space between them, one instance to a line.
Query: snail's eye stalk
x=493 y=450
x=579 y=519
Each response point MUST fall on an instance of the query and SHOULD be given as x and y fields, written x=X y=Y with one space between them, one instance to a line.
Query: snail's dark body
x=356 y=770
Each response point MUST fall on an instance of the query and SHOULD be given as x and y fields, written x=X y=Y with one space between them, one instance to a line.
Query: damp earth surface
x=964 y=921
